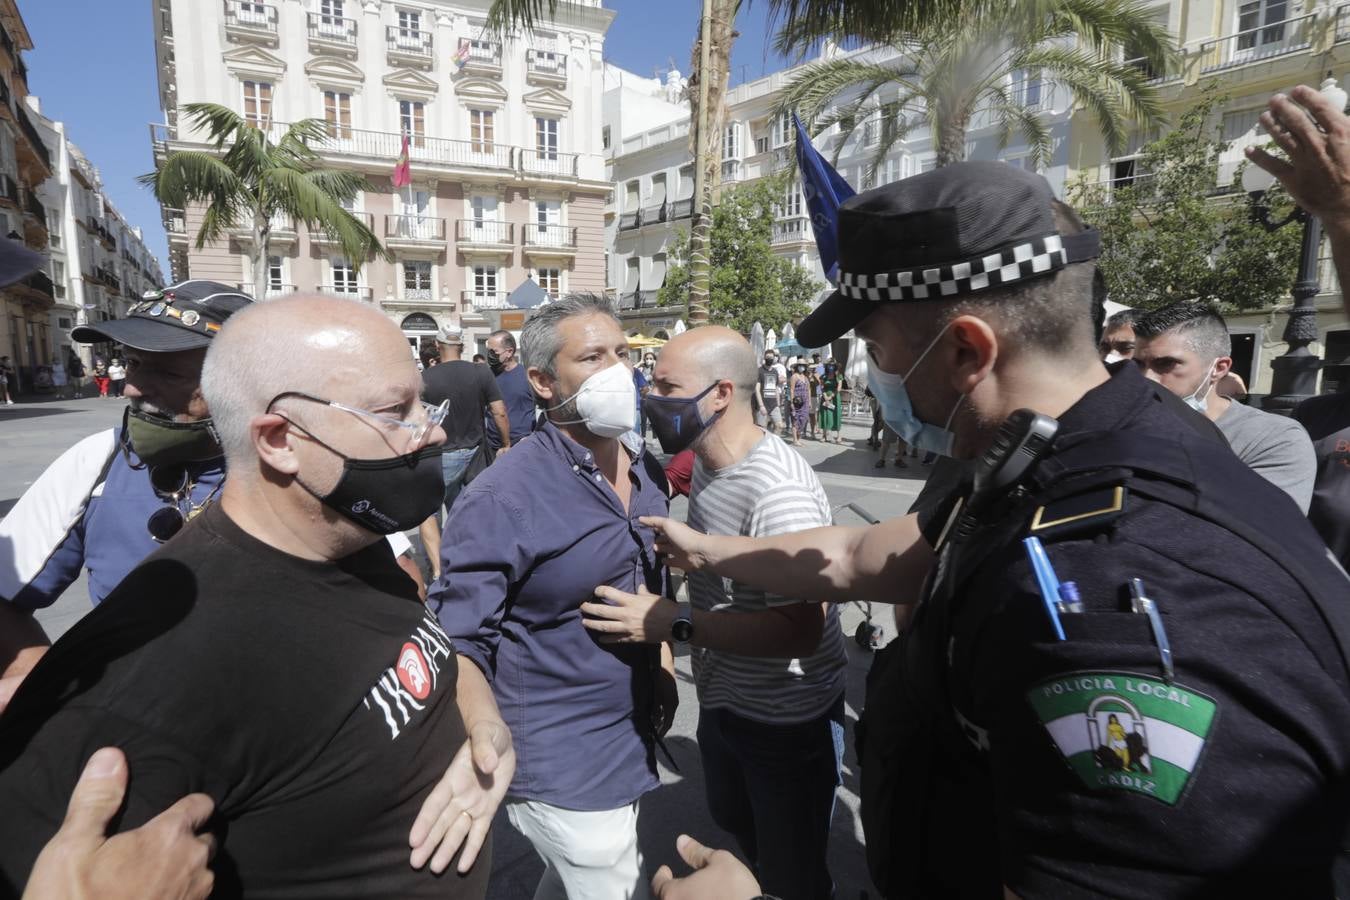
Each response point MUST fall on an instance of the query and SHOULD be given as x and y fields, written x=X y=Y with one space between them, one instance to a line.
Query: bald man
x=273 y=656
x=769 y=669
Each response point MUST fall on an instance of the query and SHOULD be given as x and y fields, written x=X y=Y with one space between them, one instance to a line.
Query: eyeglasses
x=173 y=485
x=435 y=415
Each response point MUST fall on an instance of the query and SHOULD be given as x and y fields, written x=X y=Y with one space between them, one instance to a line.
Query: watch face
x=682 y=630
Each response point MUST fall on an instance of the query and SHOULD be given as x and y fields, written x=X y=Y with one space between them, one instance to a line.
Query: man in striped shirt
x=769 y=669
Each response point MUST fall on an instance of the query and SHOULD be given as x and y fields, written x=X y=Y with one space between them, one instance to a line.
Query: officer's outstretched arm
x=882 y=563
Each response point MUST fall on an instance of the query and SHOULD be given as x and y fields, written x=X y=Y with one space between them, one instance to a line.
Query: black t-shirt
x=1327 y=419
x=469 y=388
x=314 y=702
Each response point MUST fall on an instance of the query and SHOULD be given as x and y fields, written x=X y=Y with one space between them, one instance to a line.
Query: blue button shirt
x=520 y=407
x=527 y=543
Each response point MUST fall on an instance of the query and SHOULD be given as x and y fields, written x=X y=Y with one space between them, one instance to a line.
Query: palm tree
x=248 y=178
x=964 y=59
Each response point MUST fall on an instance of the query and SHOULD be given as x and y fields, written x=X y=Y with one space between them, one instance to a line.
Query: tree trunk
x=711 y=68
x=951 y=146
x=261 y=232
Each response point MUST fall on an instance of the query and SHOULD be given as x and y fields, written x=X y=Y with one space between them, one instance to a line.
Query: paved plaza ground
x=33 y=434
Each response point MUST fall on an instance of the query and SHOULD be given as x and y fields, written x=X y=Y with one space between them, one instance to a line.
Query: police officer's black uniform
x=994 y=753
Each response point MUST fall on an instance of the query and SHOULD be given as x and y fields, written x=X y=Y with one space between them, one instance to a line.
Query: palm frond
x=192 y=176
x=305 y=197
x=220 y=122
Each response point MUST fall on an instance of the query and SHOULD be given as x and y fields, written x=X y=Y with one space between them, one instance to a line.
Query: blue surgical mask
x=1198 y=399
x=898 y=412
x=676 y=421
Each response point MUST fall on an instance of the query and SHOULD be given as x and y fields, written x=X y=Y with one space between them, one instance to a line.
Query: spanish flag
x=402 y=170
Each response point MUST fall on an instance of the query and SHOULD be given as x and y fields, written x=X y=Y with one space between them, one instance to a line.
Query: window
x=604 y=137
x=551 y=281
x=1255 y=13
x=250 y=11
x=484 y=209
x=485 y=281
x=731 y=141
x=657 y=278
x=630 y=281
x=330 y=12
x=412 y=120
x=481 y=130
x=54 y=227
x=258 y=103
x=59 y=281
x=275 y=275
x=548 y=221
x=1026 y=87
x=63 y=323
x=344 y=276
x=337 y=112
x=410 y=27
x=872 y=129
x=1237 y=124
x=791 y=206
x=546 y=137
x=761 y=144
x=416 y=280
x=890 y=171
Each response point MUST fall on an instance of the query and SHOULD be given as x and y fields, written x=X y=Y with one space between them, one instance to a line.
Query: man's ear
x=972 y=350
x=1222 y=366
x=271 y=435
x=541 y=383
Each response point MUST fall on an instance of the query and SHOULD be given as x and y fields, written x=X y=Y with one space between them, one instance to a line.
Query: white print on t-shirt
x=399 y=691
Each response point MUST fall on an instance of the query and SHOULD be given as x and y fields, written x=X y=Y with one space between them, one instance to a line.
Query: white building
x=652 y=170
x=508 y=173
x=99 y=265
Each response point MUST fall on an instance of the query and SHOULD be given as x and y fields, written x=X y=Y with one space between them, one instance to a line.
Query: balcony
x=33 y=207
x=1342 y=25
x=1258 y=44
x=281 y=231
x=175 y=223
x=40 y=285
x=273 y=291
x=652 y=215
x=34 y=148
x=324 y=239
x=409 y=47
x=682 y=209
x=548 y=162
x=628 y=221
x=731 y=171
x=332 y=34
x=1153 y=75
x=792 y=231
x=249 y=22
x=550 y=240
x=483 y=58
x=9 y=191
x=349 y=291
x=485 y=235
x=544 y=67
x=413 y=232
x=382 y=146
x=475 y=300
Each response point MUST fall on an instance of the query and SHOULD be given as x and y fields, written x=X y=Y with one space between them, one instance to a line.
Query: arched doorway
x=420 y=330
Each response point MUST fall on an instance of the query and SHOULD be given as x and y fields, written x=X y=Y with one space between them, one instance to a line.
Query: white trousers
x=587 y=855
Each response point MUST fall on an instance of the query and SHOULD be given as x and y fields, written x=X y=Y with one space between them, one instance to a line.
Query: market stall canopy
x=757 y=340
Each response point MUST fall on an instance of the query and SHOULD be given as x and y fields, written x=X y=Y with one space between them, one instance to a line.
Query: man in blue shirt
x=532 y=537
x=504 y=361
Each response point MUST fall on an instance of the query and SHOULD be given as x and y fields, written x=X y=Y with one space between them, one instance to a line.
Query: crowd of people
x=1124 y=662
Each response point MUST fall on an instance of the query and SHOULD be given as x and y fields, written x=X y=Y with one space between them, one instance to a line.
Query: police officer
x=1186 y=733
x=111 y=499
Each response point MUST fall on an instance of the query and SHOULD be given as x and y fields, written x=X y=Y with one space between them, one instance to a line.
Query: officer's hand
x=683 y=547
x=624 y=618
x=164 y=859
x=718 y=875
x=1317 y=174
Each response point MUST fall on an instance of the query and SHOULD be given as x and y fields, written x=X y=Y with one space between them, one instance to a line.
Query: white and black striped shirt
x=771 y=491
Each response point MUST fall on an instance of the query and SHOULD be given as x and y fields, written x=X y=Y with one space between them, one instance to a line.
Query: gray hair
x=539 y=339
x=1199 y=325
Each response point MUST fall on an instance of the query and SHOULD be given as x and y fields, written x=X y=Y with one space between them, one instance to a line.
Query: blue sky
x=93 y=65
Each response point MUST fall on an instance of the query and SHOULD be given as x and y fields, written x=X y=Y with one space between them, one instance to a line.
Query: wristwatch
x=682 y=629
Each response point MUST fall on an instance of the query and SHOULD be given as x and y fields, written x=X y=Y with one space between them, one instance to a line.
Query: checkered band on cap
x=1016 y=263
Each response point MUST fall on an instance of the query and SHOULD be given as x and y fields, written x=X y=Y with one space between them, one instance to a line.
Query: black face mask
x=676 y=421
x=386 y=495
x=494 y=362
x=158 y=441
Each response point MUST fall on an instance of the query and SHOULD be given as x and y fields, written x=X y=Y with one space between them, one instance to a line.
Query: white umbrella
x=856 y=371
x=757 y=340
x=679 y=328
x=770 y=339
x=789 y=333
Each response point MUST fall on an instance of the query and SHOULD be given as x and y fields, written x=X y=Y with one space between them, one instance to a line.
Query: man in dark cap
x=110 y=500
x=991 y=765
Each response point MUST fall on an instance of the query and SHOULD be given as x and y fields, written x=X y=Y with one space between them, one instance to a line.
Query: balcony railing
x=323 y=237
x=548 y=162
x=651 y=215
x=34 y=208
x=546 y=63
x=248 y=14
x=409 y=41
x=332 y=29
x=387 y=145
x=1343 y=22
x=484 y=231
x=787 y=231
x=1263 y=42
x=272 y=291
x=484 y=300
x=175 y=221
x=9 y=189
x=560 y=236
x=30 y=131
x=628 y=221
x=414 y=228
x=731 y=171
x=351 y=291
x=42 y=283
x=682 y=209
x=420 y=294
x=483 y=55
x=1148 y=71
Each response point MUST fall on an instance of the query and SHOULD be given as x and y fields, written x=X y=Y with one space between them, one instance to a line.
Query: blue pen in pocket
x=1046 y=580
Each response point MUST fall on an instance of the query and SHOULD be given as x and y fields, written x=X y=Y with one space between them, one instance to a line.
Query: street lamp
x=1295 y=377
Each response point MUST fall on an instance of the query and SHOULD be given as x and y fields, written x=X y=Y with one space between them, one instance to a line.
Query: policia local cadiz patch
x=1123 y=731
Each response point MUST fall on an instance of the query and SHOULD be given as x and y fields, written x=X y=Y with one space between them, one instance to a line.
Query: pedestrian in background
x=6 y=374
x=58 y=376
x=75 y=375
x=117 y=376
x=832 y=386
x=799 y=390
x=101 y=378
x=768 y=393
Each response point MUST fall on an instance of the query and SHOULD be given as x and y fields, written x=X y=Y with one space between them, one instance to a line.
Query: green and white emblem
x=1123 y=731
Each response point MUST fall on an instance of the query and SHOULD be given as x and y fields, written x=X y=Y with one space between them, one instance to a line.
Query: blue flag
x=824 y=189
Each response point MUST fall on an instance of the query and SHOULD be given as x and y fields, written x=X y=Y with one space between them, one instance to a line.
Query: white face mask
x=606 y=402
x=1198 y=399
x=1112 y=357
